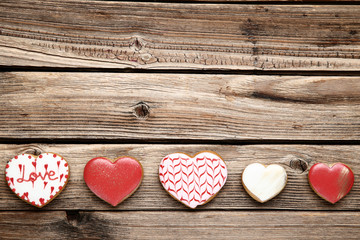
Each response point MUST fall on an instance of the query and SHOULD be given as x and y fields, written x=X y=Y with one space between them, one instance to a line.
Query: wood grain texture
x=297 y=194
x=269 y=1
x=178 y=106
x=105 y=34
x=180 y=225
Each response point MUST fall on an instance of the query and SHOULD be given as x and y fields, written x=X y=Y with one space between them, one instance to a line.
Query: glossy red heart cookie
x=115 y=181
x=37 y=179
x=331 y=183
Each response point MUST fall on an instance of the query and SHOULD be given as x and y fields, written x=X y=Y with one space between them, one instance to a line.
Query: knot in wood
x=141 y=110
x=299 y=165
x=146 y=57
x=73 y=217
x=33 y=150
x=136 y=44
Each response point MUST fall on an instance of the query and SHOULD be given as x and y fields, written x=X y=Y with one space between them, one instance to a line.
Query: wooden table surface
x=255 y=81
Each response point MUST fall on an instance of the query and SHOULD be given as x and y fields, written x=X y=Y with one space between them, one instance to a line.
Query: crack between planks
x=181 y=71
x=239 y=2
x=74 y=212
x=176 y=141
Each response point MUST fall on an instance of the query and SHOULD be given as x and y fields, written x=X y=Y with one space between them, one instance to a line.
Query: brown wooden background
x=255 y=81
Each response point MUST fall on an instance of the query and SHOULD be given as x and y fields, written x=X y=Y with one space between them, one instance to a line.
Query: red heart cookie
x=37 y=179
x=115 y=181
x=331 y=183
x=193 y=180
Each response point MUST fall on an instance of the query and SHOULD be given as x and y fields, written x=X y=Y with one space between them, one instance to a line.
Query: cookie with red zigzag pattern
x=194 y=180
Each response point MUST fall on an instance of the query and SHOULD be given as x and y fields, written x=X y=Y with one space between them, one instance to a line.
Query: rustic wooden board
x=111 y=109
x=180 y=225
x=266 y=1
x=297 y=195
x=106 y=34
x=38 y=105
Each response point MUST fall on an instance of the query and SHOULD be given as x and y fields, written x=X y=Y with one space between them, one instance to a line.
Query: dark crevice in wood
x=172 y=141
x=285 y=2
x=73 y=217
x=76 y=216
x=260 y=95
x=181 y=71
x=279 y=98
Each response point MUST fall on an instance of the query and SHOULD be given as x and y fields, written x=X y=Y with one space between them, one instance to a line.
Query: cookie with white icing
x=264 y=182
x=194 y=180
x=37 y=179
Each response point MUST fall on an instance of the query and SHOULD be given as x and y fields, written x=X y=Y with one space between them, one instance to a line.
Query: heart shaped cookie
x=37 y=179
x=263 y=183
x=115 y=181
x=193 y=180
x=331 y=183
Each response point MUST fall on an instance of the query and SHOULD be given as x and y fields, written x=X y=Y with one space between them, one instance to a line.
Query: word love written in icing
x=33 y=176
x=37 y=180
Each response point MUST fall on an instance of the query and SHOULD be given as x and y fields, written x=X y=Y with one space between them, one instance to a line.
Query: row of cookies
x=193 y=181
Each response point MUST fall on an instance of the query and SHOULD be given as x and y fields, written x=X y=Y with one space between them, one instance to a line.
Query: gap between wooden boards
x=319 y=73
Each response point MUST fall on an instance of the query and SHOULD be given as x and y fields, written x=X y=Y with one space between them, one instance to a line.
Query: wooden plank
x=100 y=34
x=271 y=1
x=297 y=194
x=36 y=105
x=180 y=225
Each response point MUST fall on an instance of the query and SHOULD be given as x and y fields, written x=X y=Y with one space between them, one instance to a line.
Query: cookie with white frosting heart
x=264 y=182
x=37 y=179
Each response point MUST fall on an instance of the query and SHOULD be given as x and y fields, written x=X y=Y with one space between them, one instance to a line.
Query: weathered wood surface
x=180 y=225
x=106 y=34
x=297 y=194
x=62 y=107
x=181 y=106
x=267 y=1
